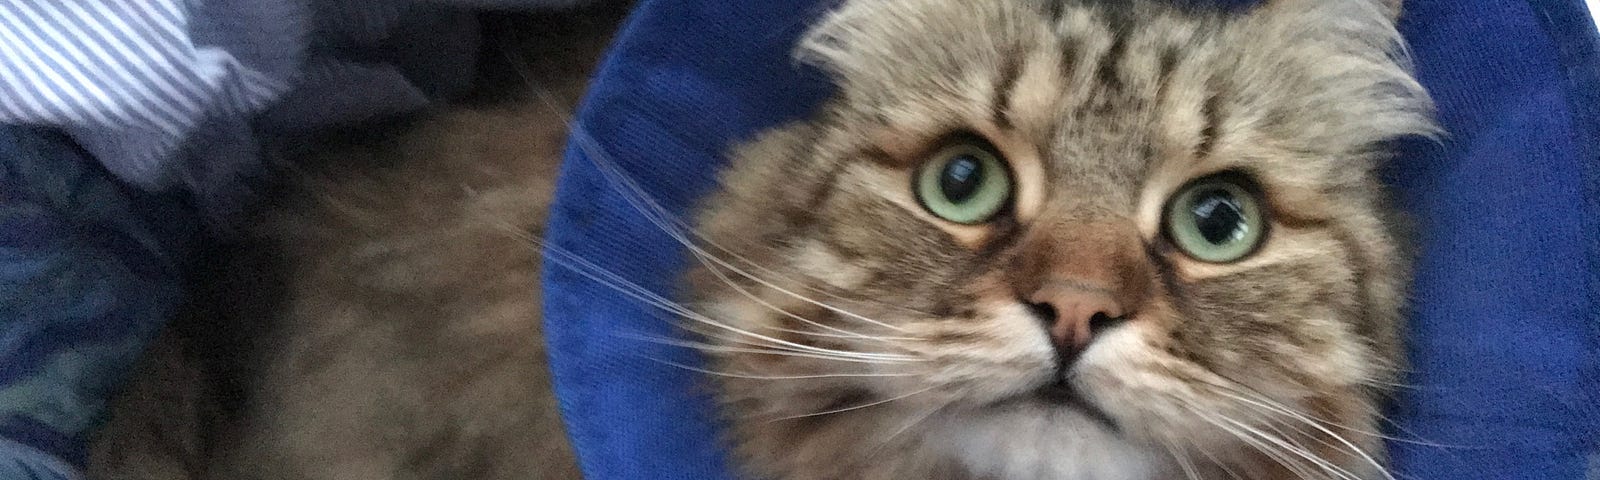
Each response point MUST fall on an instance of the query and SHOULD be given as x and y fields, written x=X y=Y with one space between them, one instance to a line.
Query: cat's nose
x=1074 y=312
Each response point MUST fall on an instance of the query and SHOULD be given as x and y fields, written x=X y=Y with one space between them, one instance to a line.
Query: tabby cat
x=1078 y=240
x=1026 y=239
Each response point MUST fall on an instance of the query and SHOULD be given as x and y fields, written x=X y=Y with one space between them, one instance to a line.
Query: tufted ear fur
x=885 y=42
x=1348 y=61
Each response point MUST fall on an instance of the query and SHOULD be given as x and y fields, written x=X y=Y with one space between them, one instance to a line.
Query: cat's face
x=1024 y=230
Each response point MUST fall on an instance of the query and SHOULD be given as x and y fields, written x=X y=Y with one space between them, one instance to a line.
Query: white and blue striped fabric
x=131 y=80
x=173 y=93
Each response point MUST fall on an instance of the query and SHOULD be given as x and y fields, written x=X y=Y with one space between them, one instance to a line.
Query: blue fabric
x=89 y=271
x=1506 y=337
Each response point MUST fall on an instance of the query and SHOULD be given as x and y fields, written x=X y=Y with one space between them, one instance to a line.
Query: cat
x=1069 y=239
x=1026 y=239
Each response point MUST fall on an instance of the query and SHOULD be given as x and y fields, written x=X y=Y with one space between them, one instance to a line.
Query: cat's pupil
x=1219 y=217
x=961 y=177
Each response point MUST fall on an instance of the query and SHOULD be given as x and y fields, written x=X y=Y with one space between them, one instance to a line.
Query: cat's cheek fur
x=1000 y=354
x=816 y=260
x=1149 y=394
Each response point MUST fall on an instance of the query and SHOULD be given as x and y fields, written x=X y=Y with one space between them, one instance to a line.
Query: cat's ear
x=1342 y=59
x=1393 y=7
x=853 y=37
x=839 y=42
x=885 y=39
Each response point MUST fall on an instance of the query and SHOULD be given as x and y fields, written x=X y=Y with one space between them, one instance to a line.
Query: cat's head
x=1024 y=224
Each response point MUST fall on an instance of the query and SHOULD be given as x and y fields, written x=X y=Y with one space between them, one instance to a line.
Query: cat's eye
x=965 y=183
x=1216 y=219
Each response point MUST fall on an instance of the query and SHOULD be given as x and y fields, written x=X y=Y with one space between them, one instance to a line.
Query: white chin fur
x=1027 y=441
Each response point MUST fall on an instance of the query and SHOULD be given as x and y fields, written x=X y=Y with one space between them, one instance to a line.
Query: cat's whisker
x=1272 y=420
x=753 y=347
x=576 y=263
x=1290 y=447
x=658 y=215
x=775 y=377
x=1292 y=464
x=1277 y=407
x=1275 y=448
x=1419 y=439
x=1216 y=461
x=1184 y=463
x=1273 y=406
x=652 y=210
x=915 y=420
x=1285 y=441
x=756 y=344
x=768 y=305
x=781 y=348
x=676 y=227
x=599 y=274
x=714 y=264
x=812 y=333
x=702 y=346
x=1273 y=423
x=853 y=407
x=1272 y=453
x=1393 y=385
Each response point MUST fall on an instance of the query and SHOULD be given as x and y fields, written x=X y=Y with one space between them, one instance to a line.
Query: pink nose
x=1075 y=311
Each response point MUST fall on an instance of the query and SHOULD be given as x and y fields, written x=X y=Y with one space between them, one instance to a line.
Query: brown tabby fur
x=853 y=334
x=876 y=341
x=390 y=326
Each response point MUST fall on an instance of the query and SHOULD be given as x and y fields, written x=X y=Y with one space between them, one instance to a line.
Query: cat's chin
x=1063 y=395
x=1050 y=433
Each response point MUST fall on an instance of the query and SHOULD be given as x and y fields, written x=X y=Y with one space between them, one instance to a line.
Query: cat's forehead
x=1093 y=91
x=1114 y=98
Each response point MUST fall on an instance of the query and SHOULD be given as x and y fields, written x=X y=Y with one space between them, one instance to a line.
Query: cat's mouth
x=1060 y=393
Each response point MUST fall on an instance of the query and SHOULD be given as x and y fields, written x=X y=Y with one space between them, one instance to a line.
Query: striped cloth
x=175 y=93
x=133 y=81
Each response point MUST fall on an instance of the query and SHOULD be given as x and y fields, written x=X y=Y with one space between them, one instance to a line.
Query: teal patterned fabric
x=89 y=271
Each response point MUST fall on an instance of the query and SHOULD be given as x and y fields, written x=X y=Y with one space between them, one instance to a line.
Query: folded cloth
x=110 y=100
x=89 y=271
x=167 y=93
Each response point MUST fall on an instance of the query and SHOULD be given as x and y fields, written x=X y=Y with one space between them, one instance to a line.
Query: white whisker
x=605 y=277
x=903 y=429
x=1216 y=461
x=1280 y=408
x=655 y=213
x=1295 y=449
x=851 y=408
x=1272 y=453
x=747 y=294
x=761 y=350
x=1189 y=471
x=590 y=270
x=777 y=377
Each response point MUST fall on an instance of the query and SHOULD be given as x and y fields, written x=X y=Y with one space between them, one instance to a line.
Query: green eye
x=1216 y=219
x=965 y=183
